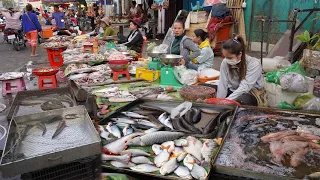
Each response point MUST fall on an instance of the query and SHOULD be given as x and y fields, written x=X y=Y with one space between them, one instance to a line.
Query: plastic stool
x=8 y=87
x=52 y=81
x=115 y=75
x=55 y=57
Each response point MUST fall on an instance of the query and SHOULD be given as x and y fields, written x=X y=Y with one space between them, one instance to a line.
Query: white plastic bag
x=294 y=82
x=161 y=48
x=186 y=76
x=312 y=105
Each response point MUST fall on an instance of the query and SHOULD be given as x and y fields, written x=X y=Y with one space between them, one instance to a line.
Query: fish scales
x=156 y=138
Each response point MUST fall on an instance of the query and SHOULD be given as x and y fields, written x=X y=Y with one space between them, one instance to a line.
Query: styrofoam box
x=276 y=95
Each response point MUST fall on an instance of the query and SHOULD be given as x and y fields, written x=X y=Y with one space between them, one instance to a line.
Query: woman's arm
x=254 y=72
x=37 y=23
x=188 y=44
x=204 y=56
x=223 y=81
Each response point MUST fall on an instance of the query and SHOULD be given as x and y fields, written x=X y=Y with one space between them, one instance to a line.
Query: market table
x=121 y=26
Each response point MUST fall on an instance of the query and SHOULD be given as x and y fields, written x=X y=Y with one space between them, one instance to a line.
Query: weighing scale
x=155 y=64
x=167 y=77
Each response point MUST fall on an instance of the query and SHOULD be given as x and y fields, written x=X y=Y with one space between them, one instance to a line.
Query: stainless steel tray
x=35 y=97
x=243 y=173
x=78 y=140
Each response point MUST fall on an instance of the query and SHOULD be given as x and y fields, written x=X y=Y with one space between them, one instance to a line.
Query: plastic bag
x=110 y=45
x=286 y=105
x=302 y=100
x=186 y=76
x=274 y=76
x=312 y=105
x=294 y=82
x=161 y=48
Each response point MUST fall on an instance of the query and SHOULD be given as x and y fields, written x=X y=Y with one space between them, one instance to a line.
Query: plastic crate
x=276 y=95
x=83 y=169
x=55 y=56
x=148 y=75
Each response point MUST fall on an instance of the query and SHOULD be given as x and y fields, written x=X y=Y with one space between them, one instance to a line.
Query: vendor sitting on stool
x=240 y=74
x=182 y=44
x=107 y=30
x=205 y=60
x=135 y=40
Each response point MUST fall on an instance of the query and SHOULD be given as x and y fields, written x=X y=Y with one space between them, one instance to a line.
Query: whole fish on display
x=169 y=167
x=135 y=152
x=194 y=147
x=161 y=158
x=123 y=158
x=60 y=127
x=183 y=172
x=147 y=168
x=141 y=160
x=120 y=164
x=134 y=115
x=114 y=130
x=119 y=145
x=155 y=138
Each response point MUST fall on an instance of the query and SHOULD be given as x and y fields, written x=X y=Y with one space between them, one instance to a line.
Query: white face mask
x=233 y=62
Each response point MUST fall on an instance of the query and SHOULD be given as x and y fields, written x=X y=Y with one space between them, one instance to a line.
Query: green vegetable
x=302 y=100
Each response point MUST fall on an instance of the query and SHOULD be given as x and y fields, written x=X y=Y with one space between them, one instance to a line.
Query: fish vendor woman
x=240 y=75
x=182 y=44
x=135 y=40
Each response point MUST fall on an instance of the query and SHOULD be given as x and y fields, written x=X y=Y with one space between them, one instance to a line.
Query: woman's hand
x=182 y=62
x=116 y=42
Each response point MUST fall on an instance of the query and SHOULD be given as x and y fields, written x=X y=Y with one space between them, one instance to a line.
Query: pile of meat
x=293 y=144
x=196 y=93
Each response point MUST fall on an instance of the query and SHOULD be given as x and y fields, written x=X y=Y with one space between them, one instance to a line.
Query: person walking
x=31 y=26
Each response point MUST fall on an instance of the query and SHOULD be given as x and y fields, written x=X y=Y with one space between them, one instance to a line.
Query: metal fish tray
x=247 y=174
x=16 y=109
x=79 y=139
x=167 y=106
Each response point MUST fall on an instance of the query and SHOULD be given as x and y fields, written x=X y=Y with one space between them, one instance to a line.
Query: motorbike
x=16 y=37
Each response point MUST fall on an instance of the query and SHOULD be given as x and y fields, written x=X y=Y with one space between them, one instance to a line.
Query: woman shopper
x=31 y=27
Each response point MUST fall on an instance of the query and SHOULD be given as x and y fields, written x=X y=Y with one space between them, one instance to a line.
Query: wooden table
x=121 y=26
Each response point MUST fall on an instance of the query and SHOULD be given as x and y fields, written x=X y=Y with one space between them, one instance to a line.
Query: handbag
x=39 y=33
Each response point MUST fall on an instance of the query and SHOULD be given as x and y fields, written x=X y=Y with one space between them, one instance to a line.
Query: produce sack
x=186 y=76
x=286 y=105
x=312 y=105
x=294 y=82
x=274 y=76
x=302 y=100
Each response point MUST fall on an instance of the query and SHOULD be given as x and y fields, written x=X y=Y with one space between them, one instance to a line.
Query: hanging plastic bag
x=286 y=105
x=186 y=76
x=302 y=100
x=274 y=76
x=294 y=82
x=312 y=105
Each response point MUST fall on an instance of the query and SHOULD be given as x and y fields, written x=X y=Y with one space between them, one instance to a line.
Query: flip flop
x=34 y=55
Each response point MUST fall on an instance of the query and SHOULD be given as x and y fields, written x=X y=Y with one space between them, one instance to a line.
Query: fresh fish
x=168 y=123
x=154 y=129
x=274 y=147
x=183 y=172
x=315 y=175
x=197 y=116
x=51 y=105
x=145 y=123
x=180 y=142
x=208 y=146
x=147 y=168
x=309 y=136
x=199 y=172
x=297 y=157
x=189 y=115
x=194 y=147
x=119 y=145
x=127 y=130
x=180 y=110
x=135 y=152
x=156 y=148
x=291 y=146
x=124 y=158
x=169 y=167
x=189 y=126
x=209 y=111
x=177 y=124
x=161 y=158
x=123 y=120
x=120 y=164
x=53 y=119
x=25 y=131
x=41 y=126
x=189 y=161
x=141 y=160
x=103 y=133
x=211 y=125
x=71 y=116
x=151 y=108
x=60 y=127
x=169 y=146
x=178 y=153
x=314 y=145
x=114 y=130
x=134 y=115
x=277 y=136
x=162 y=117
x=144 y=112
x=154 y=120
x=271 y=116
x=155 y=138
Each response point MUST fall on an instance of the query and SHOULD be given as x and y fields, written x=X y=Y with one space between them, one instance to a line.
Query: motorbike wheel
x=16 y=45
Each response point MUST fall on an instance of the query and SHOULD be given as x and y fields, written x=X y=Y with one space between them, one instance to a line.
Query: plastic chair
x=55 y=57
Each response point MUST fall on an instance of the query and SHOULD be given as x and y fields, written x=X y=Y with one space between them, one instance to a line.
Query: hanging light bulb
x=244 y=4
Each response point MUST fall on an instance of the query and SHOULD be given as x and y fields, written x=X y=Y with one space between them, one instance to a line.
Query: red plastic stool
x=47 y=80
x=55 y=57
x=115 y=74
x=13 y=86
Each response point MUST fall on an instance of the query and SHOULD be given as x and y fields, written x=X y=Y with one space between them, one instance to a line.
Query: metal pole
x=105 y=7
x=293 y=31
x=262 y=36
x=120 y=8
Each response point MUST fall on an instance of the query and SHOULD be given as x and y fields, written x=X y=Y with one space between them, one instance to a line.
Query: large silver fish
x=207 y=149
x=183 y=172
x=194 y=147
x=155 y=138
x=135 y=152
x=189 y=161
x=178 y=153
x=161 y=158
x=145 y=123
x=169 y=167
x=124 y=158
x=134 y=115
x=141 y=160
x=156 y=148
x=114 y=130
x=119 y=145
x=199 y=172
x=120 y=164
x=148 y=168
x=127 y=130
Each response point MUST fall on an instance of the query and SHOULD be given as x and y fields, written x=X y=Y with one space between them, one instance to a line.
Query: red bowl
x=45 y=71
x=118 y=65
x=119 y=62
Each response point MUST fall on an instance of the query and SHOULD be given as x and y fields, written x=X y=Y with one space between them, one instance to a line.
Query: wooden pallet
x=237 y=13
